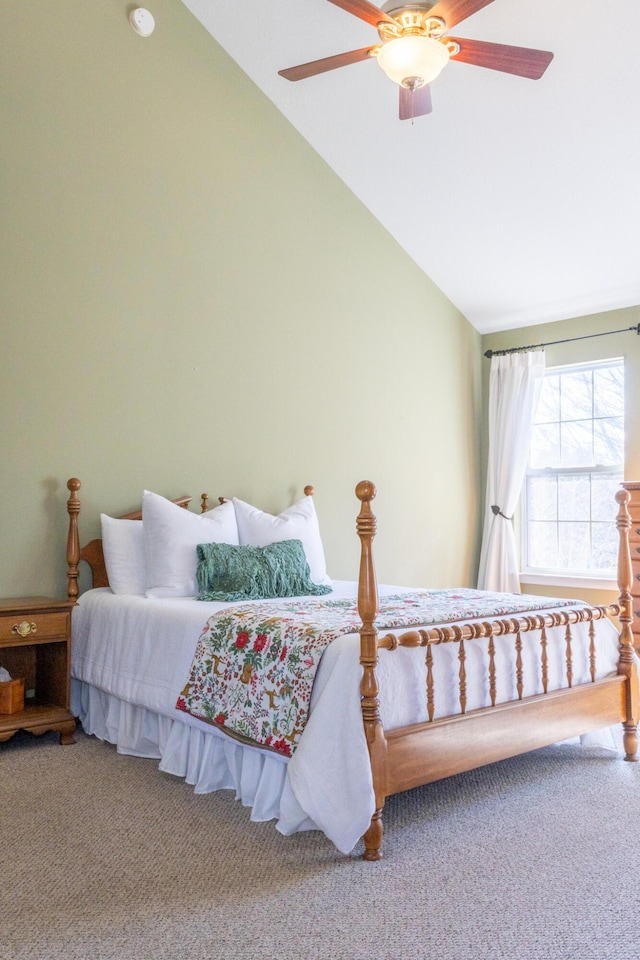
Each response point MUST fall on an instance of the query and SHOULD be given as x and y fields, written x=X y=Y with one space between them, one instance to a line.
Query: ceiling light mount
x=392 y=7
x=412 y=24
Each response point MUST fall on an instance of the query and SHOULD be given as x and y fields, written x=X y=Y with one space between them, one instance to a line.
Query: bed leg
x=630 y=741
x=373 y=838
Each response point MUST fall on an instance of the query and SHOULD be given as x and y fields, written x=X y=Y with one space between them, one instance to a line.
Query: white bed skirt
x=208 y=761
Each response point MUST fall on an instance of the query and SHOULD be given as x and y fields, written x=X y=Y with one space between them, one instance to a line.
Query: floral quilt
x=254 y=665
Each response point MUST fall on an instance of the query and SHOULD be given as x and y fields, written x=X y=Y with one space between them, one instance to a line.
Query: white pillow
x=299 y=522
x=124 y=556
x=171 y=535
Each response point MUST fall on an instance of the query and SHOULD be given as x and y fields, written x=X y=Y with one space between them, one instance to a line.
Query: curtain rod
x=551 y=343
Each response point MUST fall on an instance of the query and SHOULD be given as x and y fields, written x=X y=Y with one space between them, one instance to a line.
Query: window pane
x=543 y=544
x=548 y=409
x=605 y=546
x=545 y=446
x=608 y=392
x=575 y=546
x=543 y=498
x=608 y=441
x=574 y=497
x=576 y=443
x=575 y=469
x=603 y=496
x=576 y=397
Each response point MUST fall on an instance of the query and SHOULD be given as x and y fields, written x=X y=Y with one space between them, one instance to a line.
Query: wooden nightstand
x=35 y=644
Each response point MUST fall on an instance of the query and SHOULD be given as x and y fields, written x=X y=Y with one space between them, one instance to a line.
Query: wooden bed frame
x=410 y=756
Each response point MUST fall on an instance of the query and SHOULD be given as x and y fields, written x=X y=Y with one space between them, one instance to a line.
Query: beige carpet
x=104 y=857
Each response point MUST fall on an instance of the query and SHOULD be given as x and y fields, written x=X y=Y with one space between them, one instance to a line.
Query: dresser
x=35 y=646
x=633 y=486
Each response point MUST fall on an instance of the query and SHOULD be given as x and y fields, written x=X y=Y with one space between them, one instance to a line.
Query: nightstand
x=35 y=644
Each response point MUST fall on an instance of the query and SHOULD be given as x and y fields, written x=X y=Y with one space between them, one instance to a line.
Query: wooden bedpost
x=73 y=540
x=368 y=608
x=627 y=665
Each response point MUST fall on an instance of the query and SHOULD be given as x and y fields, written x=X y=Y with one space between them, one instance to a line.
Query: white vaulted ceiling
x=519 y=198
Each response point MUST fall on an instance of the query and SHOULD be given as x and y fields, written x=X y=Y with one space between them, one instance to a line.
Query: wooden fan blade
x=305 y=70
x=455 y=11
x=415 y=103
x=521 y=61
x=366 y=11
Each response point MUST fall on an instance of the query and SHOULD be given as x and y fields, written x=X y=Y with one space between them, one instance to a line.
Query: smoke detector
x=142 y=22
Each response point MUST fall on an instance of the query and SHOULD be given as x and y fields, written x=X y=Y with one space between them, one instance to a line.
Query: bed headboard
x=92 y=552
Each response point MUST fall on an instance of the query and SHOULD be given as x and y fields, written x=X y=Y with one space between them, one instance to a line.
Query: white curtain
x=515 y=382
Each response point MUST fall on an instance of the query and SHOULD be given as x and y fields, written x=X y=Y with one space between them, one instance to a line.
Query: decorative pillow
x=124 y=557
x=299 y=522
x=171 y=535
x=255 y=573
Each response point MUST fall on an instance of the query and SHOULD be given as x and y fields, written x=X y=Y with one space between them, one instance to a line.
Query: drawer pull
x=24 y=628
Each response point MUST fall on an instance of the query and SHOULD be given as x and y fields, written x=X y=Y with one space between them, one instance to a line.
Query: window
x=576 y=463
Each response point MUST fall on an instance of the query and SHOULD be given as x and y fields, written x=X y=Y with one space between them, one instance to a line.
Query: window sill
x=562 y=580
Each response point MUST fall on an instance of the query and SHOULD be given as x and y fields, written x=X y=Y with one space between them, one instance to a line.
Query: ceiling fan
x=414 y=49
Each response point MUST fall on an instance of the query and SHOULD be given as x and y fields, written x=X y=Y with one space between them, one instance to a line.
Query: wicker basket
x=12 y=695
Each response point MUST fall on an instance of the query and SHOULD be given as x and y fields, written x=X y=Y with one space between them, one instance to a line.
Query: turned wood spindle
x=73 y=539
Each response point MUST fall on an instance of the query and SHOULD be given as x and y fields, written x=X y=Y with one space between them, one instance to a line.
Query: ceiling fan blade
x=366 y=11
x=455 y=11
x=521 y=61
x=304 y=70
x=415 y=103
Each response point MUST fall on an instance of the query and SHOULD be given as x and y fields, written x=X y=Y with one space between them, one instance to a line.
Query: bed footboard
x=422 y=753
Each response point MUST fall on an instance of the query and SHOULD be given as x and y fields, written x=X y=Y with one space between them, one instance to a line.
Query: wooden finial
x=309 y=491
x=366 y=491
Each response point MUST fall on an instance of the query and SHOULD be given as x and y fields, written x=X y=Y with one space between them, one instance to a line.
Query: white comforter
x=132 y=656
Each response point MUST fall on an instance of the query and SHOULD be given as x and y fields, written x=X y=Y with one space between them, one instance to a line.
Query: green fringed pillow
x=227 y=572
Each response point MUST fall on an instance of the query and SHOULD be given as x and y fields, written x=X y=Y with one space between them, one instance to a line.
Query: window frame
x=562 y=576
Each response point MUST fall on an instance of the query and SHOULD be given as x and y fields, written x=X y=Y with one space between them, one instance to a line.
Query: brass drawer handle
x=24 y=629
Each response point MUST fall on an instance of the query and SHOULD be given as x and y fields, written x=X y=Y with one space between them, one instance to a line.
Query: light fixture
x=413 y=61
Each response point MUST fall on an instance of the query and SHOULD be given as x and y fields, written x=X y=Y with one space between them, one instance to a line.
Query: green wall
x=591 y=348
x=193 y=301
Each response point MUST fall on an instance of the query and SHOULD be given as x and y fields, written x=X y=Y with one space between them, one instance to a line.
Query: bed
x=407 y=687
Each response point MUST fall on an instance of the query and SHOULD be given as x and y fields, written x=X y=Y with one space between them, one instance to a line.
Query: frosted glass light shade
x=407 y=58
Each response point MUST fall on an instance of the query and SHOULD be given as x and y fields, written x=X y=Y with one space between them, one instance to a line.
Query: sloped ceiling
x=519 y=198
